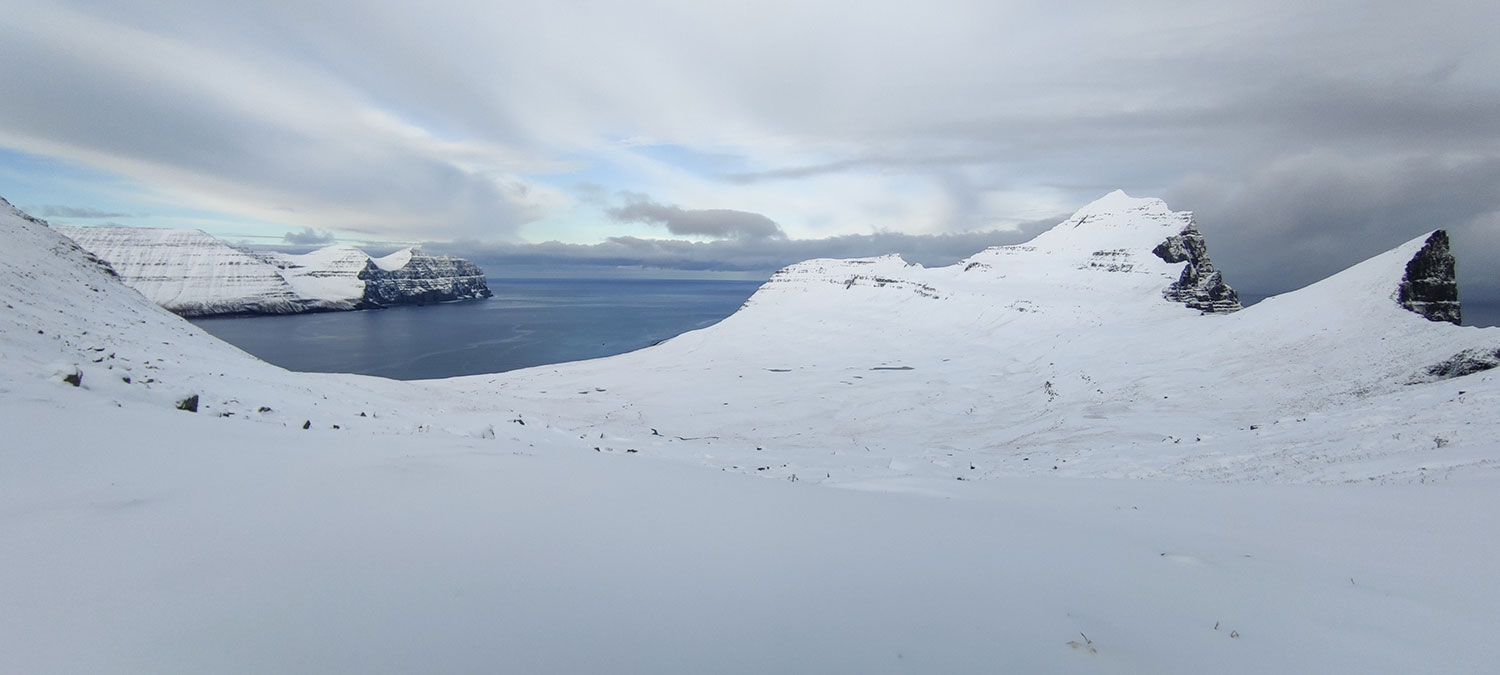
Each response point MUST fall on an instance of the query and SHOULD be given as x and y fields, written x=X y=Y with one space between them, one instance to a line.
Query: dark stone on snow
x=74 y=378
x=1466 y=362
x=189 y=404
x=1200 y=286
x=1430 y=286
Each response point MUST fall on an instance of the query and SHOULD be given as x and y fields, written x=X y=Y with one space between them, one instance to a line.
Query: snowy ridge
x=194 y=274
x=1117 y=254
x=394 y=261
x=188 y=271
x=328 y=276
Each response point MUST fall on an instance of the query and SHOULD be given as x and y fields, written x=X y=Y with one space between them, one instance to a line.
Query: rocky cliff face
x=422 y=280
x=1200 y=286
x=1430 y=286
x=194 y=274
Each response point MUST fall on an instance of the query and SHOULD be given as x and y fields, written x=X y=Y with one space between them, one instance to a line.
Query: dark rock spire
x=1200 y=286
x=1430 y=286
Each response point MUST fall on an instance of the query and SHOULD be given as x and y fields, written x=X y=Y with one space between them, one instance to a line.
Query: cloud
x=56 y=211
x=1304 y=135
x=715 y=223
x=244 y=129
x=852 y=164
x=308 y=237
x=757 y=255
x=1305 y=217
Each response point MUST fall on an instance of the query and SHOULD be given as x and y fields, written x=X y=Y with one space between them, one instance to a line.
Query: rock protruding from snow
x=1466 y=362
x=1430 y=286
x=192 y=273
x=1200 y=286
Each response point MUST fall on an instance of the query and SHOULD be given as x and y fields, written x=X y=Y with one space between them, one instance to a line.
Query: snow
x=1247 y=493
x=188 y=271
x=329 y=274
x=266 y=551
x=394 y=261
x=1036 y=361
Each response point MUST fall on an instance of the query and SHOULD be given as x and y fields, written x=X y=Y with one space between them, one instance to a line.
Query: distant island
x=194 y=274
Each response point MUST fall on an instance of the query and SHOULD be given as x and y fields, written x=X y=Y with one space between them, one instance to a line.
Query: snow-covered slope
x=329 y=275
x=518 y=522
x=1060 y=356
x=188 y=271
x=66 y=313
x=193 y=274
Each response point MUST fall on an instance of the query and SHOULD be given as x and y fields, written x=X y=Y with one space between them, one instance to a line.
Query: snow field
x=1305 y=508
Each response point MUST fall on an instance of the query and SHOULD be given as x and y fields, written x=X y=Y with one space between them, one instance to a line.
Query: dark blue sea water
x=529 y=322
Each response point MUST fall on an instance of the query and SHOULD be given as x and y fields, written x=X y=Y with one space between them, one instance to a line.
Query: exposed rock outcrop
x=1200 y=286
x=1430 y=286
x=1466 y=362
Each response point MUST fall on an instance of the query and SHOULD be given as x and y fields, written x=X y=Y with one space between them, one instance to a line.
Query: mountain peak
x=1115 y=221
x=1118 y=202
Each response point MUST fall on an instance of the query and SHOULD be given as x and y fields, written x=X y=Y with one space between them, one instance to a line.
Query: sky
x=742 y=136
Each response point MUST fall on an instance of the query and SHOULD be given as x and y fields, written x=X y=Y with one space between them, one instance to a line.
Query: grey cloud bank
x=308 y=237
x=1305 y=135
x=716 y=223
x=57 y=211
x=758 y=256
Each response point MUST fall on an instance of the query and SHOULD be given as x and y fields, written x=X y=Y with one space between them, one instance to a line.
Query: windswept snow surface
x=1314 y=504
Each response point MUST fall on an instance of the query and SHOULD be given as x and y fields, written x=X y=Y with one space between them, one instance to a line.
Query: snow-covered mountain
x=1069 y=355
x=194 y=274
x=171 y=504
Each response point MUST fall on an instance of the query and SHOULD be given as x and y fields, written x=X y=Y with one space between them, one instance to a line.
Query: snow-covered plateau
x=192 y=273
x=1072 y=455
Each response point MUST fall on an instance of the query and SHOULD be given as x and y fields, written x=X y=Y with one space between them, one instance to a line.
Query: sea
x=528 y=322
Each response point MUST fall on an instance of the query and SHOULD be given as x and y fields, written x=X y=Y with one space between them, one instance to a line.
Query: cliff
x=192 y=273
